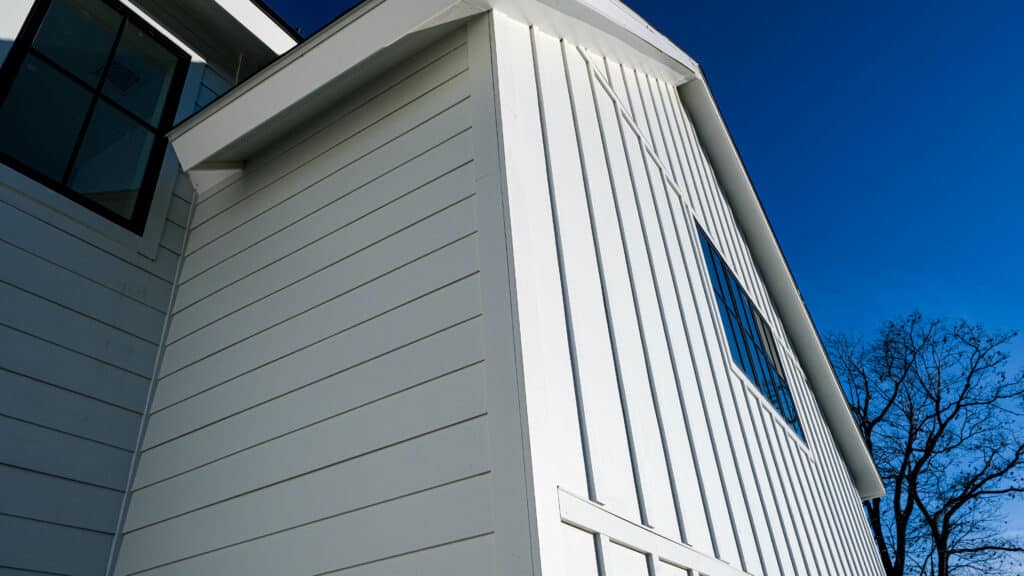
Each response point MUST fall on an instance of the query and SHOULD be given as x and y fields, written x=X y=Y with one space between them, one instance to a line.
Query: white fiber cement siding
x=651 y=453
x=82 y=310
x=322 y=403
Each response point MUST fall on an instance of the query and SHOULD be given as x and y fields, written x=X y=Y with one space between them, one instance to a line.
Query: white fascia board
x=301 y=72
x=750 y=214
x=253 y=18
x=291 y=81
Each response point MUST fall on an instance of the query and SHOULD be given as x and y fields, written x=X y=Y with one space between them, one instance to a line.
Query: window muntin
x=86 y=95
x=751 y=340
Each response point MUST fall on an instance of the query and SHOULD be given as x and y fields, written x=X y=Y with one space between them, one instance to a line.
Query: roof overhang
x=375 y=35
x=238 y=37
x=778 y=278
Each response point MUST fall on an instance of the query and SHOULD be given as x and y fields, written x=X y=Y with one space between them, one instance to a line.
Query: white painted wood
x=363 y=304
x=639 y=182
x=29 y=545
x=621 y=560
x=28 y=313
x=29 y=494
x=739 y=427
x=435 y=459
x=397 y=93
x=611 y=457
x=59 y=409
x=516 y=540
x=63 y=249
x=422 y=208
x=40 y=449
x=647 y=186
x=553 y=437
x=460 y=324
x=64 y=368
x=415 y=522
x=429 y=407
x=689 y=480
x=579 y=551
x=377 y=165
x=333 y=333
x=652 y=465
x=591 y=517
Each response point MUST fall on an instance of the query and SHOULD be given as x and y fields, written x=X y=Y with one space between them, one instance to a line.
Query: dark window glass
x=750 y=339
x=112 y=160
x=78 y=35
x=41 y=117
x=86 y=94
x=141 y=74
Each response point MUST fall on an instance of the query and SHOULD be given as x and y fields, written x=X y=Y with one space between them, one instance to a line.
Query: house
x=450 y=287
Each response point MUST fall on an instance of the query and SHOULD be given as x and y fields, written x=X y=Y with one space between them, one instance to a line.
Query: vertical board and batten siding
x=321 y=404
x=81 y=318
x=667 y=460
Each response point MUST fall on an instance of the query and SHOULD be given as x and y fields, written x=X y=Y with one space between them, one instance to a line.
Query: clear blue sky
x=886 y=140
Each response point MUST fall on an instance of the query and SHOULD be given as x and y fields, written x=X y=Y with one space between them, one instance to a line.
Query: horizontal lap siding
x=321 y=403
x=79 y=331
x=672 y=436
x=81 y=319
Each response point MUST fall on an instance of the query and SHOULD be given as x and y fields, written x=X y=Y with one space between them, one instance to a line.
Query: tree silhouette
x=942 y=418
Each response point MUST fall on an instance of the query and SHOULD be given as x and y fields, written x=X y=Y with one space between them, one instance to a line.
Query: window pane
x=41 y=118
x=140 y=76
x=78 y=35
x=112 y=160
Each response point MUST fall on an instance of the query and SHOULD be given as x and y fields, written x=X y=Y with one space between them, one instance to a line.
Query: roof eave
x=778 y=278
x=236 y=125
x=240 y=123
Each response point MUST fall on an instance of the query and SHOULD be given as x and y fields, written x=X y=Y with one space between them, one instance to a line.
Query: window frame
x=15 y=60
x=760 y=348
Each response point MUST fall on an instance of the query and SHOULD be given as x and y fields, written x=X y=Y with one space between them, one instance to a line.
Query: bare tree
x=941 y=416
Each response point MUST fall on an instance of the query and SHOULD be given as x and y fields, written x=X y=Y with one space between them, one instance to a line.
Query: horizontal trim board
x=595 y=519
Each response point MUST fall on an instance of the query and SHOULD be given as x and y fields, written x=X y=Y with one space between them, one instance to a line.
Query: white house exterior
x=450 y=287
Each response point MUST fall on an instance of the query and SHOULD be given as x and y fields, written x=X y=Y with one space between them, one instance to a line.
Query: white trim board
x=378 y=33
x=320 y=69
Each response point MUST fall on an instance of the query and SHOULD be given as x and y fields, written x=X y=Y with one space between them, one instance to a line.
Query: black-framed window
x=751 y=340
x=87 y=93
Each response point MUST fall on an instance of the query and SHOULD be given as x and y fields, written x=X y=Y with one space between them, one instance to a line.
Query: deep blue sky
x=886 y=140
